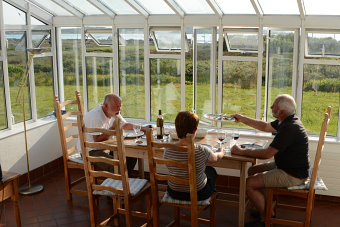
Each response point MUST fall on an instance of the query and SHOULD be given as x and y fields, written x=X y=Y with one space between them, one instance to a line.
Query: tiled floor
x=51 y=208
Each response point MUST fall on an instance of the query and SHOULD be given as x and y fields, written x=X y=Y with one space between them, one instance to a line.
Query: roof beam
x=301 y=8
x=99 y=5
x=175 y=7
x=138 y=8
x=257 y=8
x=42 y=15
x=214 y=6
x=69 y=8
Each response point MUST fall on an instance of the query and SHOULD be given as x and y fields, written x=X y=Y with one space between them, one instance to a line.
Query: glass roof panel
x=236 y=6
x=85 y=7
x=119 y=7
x=279 y=7
x=12 y=15
x=195 y=6
x=35 y=21
x=52 y=7
x=324 y=7
x=156 y=7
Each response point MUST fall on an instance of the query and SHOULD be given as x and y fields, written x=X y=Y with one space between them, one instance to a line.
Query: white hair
x=286 y=103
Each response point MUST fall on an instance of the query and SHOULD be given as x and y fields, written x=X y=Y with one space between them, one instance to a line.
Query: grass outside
x=234 y=101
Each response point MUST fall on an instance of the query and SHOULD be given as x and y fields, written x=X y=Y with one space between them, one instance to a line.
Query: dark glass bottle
x=160 y=125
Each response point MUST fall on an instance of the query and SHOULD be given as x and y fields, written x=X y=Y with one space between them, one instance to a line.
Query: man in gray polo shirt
x=289 y=149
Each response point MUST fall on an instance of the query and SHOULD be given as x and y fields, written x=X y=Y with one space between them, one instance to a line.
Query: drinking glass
x=220 y=137
x=136 y=128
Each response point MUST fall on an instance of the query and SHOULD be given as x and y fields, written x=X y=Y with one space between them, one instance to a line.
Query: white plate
x=132 y=134
x=251 y=146
x=219 y=117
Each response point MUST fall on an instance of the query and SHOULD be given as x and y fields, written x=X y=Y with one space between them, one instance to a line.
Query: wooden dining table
x=229 y=161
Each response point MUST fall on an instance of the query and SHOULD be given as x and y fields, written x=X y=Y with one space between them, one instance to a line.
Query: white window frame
x=320 y=31
x=227 y=31
x=155 y=29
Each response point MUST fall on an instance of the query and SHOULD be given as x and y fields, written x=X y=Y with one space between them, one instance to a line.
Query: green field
x=313 y=108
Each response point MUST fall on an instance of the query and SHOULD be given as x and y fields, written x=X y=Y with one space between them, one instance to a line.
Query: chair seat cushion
x=75 y=156
x=136 y=185
x=168 y=199
x=319 y=184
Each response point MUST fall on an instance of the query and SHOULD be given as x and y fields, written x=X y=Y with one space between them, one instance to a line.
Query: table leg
x=15 y=199
x=242 y=195
x=141 y=168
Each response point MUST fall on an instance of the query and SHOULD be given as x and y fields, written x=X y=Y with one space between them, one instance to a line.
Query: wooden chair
x=307 y=194
x=155 y=155
x=116 y=185
x=71 y=157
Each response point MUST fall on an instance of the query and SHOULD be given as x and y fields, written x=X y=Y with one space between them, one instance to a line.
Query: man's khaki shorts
x=279 y=178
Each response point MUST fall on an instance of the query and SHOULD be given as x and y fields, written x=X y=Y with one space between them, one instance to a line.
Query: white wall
x=43 y=147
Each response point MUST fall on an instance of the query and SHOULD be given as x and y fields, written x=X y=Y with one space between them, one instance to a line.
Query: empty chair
x=68 y=138
x=116 y=185
x=159 y=197
x=308 y=193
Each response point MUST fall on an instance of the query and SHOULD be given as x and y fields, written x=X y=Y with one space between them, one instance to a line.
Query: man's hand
x=236 y=149
x=238 y=117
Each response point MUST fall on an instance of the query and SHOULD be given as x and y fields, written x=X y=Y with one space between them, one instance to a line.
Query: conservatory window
x=279 y=7
x=167 y=39
x=321 y=82
x=53 y=8
x=98 y=39
x=3 y=121
x=12 y=15
x=43 y=80
x=17 y=57
x=120 y=7
x=131 y=72
x=84 y=6
x=195 y=6
x=156 y=7
x=323 y=44
x=41 y=39
x=241 y=40
x=71 y=58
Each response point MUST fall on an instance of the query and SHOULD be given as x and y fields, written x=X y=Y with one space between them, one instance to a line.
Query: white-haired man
x=289 y=149
x=103 y=116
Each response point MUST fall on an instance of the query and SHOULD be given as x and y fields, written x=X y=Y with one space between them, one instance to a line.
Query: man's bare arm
x=255 y=153
x=254 y=123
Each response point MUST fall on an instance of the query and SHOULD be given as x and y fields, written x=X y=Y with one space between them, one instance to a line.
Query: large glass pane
x=17 y=57
x=279 y=7
x=131 y=61
x=3 y=122
x=53 y=8
x=85 y=7
x=43 y=78
x=324 y=7
x=35 y=21
x=12 y=15
x=99 y=77
x=195 y=6
x=156 y=7
x=239 y=89
x=165 y=88
x=98 y=39
x=236 y=6
x=120 y=7
x=280 y=66
x=203 y=89
x=321 y=88
x=71 y=49
x=323 y=44
x=42 y=39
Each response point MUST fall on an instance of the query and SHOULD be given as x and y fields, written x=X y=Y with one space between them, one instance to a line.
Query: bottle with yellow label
x=160 y=125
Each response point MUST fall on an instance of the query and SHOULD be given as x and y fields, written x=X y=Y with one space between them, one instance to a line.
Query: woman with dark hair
x=186 y=123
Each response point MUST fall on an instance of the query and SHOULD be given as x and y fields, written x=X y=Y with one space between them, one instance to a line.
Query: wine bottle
x=160 y=125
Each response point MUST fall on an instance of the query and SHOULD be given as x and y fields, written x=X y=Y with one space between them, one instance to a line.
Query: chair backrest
x=93 y=177
x=319 y=149
x=68 y=133
x=155 y=156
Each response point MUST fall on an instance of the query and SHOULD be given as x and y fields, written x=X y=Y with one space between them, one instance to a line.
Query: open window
x=168 y=39
x=323 y=44
x=241 y=40
x=41 y=39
